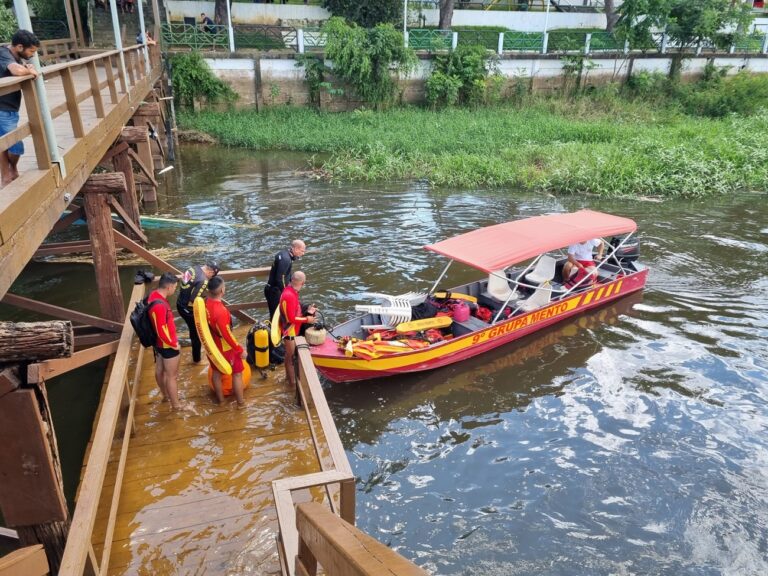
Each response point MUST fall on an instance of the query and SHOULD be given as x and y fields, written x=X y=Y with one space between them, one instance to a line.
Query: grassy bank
x=590 y=145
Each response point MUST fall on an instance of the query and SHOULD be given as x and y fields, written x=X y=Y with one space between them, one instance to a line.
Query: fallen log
x=33 y=341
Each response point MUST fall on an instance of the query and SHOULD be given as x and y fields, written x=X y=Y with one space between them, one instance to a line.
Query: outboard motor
x=629 y=252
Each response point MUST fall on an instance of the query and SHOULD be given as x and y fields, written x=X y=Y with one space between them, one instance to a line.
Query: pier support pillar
x=96 y=193
x=139 y=137
x=129 y=199
x=31 y=486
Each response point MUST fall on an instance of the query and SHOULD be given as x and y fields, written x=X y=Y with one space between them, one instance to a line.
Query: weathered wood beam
x=244 y=273
x=134 y=134
x=51 y=368
x=124 y=242
x=96 y=192
x=88 y=340
x=27 y=341
x=246 y=306
x=128 y=199
x=128 y=221
x=54 y=248
x=143 y=168
x=9 y=380
x=77 y=214
x=118 y=148
x=27 y=561
x=147 y=109
x=62 y=313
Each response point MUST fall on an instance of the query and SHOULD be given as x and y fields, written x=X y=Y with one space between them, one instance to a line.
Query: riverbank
x=588 y=145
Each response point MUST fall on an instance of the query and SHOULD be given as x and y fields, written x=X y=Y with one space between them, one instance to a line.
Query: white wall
x=245 y=13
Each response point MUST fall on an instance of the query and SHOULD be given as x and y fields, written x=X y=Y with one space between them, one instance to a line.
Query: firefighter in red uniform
x=292 y=318
x=220 y=323
x=166 y=346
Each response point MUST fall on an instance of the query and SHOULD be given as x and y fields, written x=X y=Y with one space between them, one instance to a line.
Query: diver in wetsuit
x=193 y=284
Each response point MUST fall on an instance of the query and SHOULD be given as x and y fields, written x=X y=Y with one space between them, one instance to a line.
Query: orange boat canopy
x=502 y=245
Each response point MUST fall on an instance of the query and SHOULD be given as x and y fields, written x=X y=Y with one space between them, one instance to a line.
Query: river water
x=632 y=440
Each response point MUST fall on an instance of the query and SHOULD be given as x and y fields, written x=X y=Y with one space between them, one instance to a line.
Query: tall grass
x=600 y=144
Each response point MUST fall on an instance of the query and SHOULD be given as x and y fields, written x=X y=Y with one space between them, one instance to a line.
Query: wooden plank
x=72 y=106
x=52 y=368
x=55 y=248
x=9 y=380
x=246 y=306
x=108 y=68
x=84 y=516
x=127 y=220
x=77 y=214
x=124 y=242
x=31 y=493
x=39 y=139
x=59 y=312
x=142 y=167
x=93 y=340
x=244 y=273
x=118 y=148
x=95 y=90
x=28 y=561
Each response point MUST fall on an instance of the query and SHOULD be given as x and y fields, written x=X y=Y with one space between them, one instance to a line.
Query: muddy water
x=632 y=440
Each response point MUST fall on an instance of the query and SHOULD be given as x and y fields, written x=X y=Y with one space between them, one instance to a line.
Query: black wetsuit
x=279 y=277
x=193 y=284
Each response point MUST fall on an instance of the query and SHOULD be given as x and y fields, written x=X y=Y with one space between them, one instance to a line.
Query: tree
x=446 y=14
x=220 y=11
x=611 y=16
x=686 y=22
x=7 y=23
x=366 y=13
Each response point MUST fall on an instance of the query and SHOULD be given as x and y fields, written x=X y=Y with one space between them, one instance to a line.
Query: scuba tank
x=261 y=346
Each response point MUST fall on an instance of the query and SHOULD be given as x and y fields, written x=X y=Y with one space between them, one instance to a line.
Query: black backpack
x=142 y=323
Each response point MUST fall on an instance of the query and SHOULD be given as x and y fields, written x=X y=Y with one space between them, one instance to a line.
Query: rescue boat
x=523 y=292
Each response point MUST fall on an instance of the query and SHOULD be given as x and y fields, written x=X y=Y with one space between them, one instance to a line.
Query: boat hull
x=339 y=368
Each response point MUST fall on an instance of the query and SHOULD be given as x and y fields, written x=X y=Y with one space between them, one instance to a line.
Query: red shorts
x=233 y=357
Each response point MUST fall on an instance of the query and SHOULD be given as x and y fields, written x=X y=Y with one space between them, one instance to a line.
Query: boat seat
x=543 y=272
x=394 y=311
x=499 y=289
x=539 y=298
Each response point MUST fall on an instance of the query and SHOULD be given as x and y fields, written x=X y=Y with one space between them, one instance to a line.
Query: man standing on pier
x=279 y=277
x=23 y=46
x=193 y=284
x=166 y=344
x=292 y=317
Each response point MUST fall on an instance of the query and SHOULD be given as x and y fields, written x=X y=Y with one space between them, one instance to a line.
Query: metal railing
x=431 y=40
x=264 y=37
x=194 y=36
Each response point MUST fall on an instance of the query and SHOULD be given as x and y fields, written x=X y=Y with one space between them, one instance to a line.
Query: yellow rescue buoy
x=204 y=331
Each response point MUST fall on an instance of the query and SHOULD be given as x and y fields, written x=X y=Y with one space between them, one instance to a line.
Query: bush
x=716 y=96
x=193 y=80
x=469 y=71
x=442 y=90
x=7 y=23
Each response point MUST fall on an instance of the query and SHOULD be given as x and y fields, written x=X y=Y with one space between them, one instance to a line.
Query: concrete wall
x=297 y=15
x=274 y=81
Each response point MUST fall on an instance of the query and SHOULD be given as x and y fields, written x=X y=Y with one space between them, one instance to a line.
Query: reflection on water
x=632 y=440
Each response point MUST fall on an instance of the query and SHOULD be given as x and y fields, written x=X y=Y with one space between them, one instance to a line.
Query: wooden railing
x=340 y=548
x=58 y=49
x=79 y=555
x=336 y=476
x=30 y=199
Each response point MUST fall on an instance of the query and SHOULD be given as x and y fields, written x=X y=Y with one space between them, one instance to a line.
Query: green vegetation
x=366 y=14
x=193 y=80
x=603 y=143
x=7 y=23
x=366 y=58
x=467 y=75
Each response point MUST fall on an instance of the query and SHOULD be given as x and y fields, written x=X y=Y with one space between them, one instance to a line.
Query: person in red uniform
x=292 y=318
x=220 y=323
x=166 y=346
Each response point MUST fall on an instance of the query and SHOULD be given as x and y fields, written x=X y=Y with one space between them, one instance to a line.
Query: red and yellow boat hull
x=335 y=366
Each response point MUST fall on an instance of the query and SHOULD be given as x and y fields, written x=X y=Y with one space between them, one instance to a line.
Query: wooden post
x=28 y=341
x=96 y=191
x=139 y=135
x=31 y=489
x=80 y=38
x=128 y=200
x=70 y=21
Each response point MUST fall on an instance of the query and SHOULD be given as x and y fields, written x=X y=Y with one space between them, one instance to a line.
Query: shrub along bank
x=598 y=144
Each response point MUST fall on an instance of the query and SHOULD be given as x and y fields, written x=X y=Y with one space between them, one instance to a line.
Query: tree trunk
x=32 y=341
x=611 y=17
x=446 y=14
x=220 y=12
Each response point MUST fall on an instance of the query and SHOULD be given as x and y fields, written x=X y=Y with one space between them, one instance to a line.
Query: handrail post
x=230 y=30
x=143 y=34
x=454 y=40
x=587 y=42
x=300 y=40
x=765 y=44
x=25 y=22
x=118 y=43
x=500 y=47
x=545 y=44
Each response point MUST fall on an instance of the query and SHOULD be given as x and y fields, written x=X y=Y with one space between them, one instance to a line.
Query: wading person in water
x=291 y=320
x=220 y=323
x=166 y=346
x=193 y=284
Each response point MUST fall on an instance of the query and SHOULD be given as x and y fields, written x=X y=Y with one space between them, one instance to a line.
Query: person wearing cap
x=279 y=278
x=194 y=283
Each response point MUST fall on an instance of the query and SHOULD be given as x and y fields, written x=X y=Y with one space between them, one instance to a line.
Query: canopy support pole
x=445 y=270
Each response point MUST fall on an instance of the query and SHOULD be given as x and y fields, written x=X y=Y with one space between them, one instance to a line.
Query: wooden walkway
x=197 y=494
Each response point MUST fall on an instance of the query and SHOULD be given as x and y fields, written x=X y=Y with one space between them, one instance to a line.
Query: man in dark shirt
x=193 y=284
x=206 y=23
x=23 y=46
x=279 y=278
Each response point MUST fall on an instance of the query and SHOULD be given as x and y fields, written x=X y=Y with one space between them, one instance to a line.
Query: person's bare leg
x=13 y=162
x=290 y=374
x=160 y=376
x=217 y=388
x=237 y=386
x=5 y=169
x=171 y=367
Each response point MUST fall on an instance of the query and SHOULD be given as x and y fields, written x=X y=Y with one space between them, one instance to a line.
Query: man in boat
x=292 y=317
x=166 y=347
x=193 y=284
x=279 y=277
x=13 y=58
x=581 y=262
x=220 y=323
